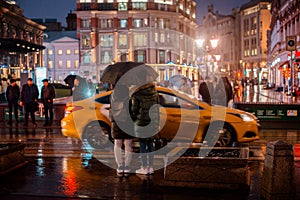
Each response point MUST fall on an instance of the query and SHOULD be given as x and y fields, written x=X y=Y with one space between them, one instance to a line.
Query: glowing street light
x=203 y=44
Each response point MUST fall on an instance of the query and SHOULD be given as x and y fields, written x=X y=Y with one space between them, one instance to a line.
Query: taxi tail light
x=70 y=109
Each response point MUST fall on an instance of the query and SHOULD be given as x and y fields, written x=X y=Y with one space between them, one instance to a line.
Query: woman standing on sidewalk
x=120 y=118
x=145 y=112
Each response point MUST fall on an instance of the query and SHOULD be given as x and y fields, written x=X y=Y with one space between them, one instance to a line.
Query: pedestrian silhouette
x=12 y=96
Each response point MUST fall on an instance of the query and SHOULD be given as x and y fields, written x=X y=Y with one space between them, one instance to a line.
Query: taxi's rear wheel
x=97 y=135
x=220 y=134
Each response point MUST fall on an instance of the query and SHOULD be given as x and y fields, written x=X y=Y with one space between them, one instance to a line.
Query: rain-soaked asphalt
x=56 y=170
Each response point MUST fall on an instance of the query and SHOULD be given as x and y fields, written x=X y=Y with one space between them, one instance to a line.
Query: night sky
x=60 y=8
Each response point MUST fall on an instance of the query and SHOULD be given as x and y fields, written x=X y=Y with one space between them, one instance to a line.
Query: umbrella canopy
x=128 y=73
x=176 y=81
x=70 y=79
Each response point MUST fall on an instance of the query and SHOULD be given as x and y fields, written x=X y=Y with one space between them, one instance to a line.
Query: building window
x=68 y=52
x=106 y=6
x=86 y=58
x=85 y=23
x=139 y=6
x=106 y=40
x=162 y=38
x=123 y=41
x=122 y=6
x=140 y=40
x=86 y=41
x=76 y=51
x=59 y=52
x=76 y=63
x=137 y=23
x=85 y=1
x=106 y=23
x=60 y=64
x=50 y=52
x=123 y=23
x=68 y=64
x=106 y=56
x=140 y=56
x=156 y=37
x=161 y=55
x=50 y=64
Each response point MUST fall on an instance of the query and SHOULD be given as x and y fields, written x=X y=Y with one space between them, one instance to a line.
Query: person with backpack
x=122 y=126
x=145 y=102
x=12 y=96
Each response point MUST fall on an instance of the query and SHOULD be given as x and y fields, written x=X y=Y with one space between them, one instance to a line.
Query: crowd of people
x=27 y=98
x=216 y=91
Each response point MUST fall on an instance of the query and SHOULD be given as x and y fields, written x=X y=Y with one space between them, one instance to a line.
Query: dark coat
x=29 y=94
x=142 y=100
x=119 y=114
x=47 y=93
x=12 y=93
x=206 y=91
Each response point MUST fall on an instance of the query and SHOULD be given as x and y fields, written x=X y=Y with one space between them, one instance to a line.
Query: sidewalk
x=69 y=178
x=257 y=94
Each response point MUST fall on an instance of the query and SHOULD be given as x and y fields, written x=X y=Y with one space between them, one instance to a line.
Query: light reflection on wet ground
x=56 y=170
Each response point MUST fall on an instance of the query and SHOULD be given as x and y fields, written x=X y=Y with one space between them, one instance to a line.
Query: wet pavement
x=56 y=170
x=257 y=94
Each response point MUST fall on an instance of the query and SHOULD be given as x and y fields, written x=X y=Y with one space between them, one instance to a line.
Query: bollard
x=278 y=181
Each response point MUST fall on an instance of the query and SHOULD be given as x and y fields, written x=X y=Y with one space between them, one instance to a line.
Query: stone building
x=226 y=29
x=156 y=32
x=21 y=42
x=61 y=56
x=285 y=22
x=255 y=23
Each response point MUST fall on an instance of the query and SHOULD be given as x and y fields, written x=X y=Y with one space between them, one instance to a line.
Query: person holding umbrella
x=121 y=126
x=80 y=89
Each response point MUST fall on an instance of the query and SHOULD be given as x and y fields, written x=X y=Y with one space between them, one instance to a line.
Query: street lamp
x=202 y=43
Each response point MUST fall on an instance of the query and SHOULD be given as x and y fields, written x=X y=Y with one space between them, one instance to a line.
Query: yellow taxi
x=182 y=117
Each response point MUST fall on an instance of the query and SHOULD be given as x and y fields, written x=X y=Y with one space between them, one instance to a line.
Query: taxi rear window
x=103 y=100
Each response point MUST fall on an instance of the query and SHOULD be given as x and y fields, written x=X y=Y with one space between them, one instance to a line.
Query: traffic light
x=291 y=43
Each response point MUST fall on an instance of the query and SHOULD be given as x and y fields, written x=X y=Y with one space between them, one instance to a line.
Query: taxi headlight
x=246 y=118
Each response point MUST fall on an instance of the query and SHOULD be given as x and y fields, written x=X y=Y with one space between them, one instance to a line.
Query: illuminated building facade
x=285 y=22
x=151 y=31
x=21 y=42
x=255 y=24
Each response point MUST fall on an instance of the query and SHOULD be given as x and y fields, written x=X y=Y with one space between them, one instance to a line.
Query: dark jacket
x=12 y=93
x=142 y=100
x=119 y=114
x=206 y=91
x=29 y=94
x=47 y=93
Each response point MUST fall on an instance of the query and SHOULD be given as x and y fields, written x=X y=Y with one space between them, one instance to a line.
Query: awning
x=17 y=45
x=283 y=64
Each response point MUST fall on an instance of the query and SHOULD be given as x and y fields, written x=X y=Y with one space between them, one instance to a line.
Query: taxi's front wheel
x=97 y=135
x=219 y=134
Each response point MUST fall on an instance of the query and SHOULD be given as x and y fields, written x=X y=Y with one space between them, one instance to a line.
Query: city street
x=56 y=170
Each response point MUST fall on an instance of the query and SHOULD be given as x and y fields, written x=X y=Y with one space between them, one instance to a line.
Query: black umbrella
x=128 y=73
x=70 y=79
